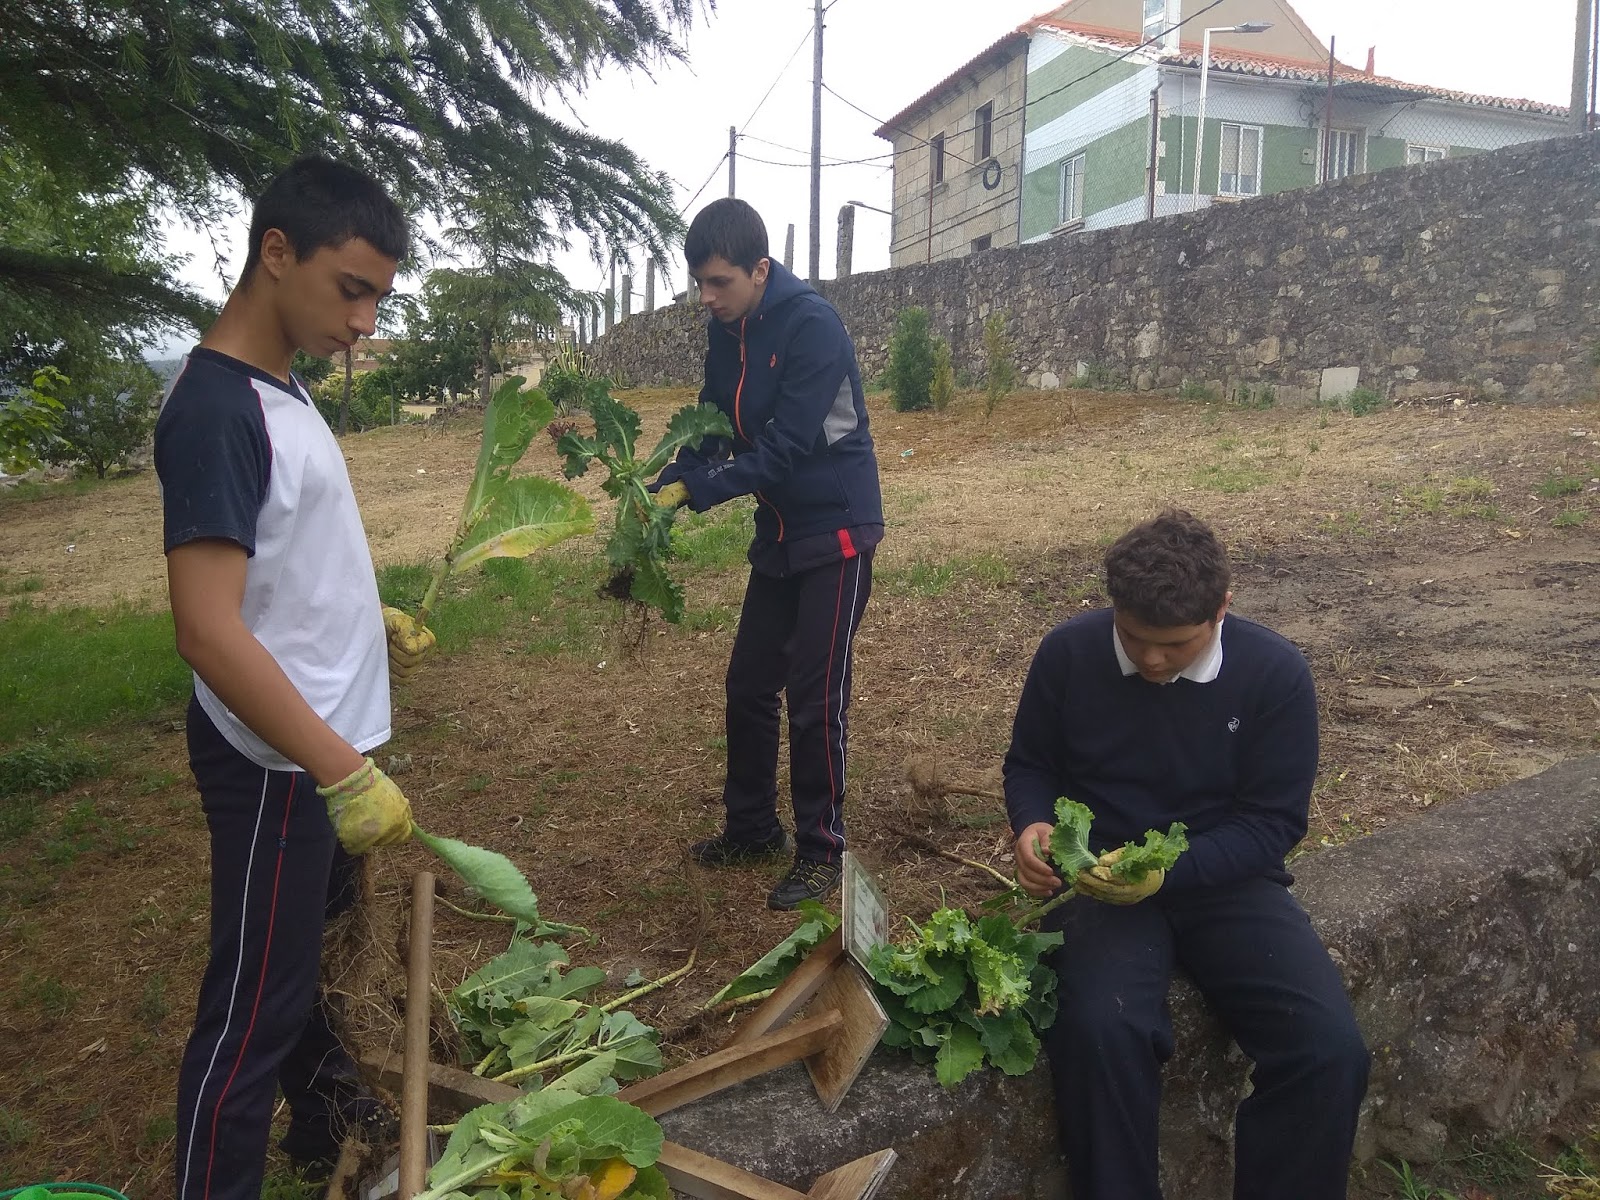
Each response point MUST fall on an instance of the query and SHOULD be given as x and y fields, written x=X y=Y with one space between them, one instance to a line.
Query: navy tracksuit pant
x=276 y=871
x=795 y=636
x=1252 y=952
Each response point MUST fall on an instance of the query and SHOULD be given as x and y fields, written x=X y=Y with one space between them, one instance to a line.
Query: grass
x=1358 y=402
x=929 y=579
x=24 y=586
x=1569 y=519
x=16 y=1131
x=1230 y=478
x=33 y=772
x=714 y=541
x=1555 y=485
x=64 y=670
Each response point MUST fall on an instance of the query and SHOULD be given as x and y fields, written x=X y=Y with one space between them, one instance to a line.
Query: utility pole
x=816 y=147
x=733 y=154
x=1578 y=114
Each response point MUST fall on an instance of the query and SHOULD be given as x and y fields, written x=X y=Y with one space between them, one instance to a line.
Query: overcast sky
x=882 y=54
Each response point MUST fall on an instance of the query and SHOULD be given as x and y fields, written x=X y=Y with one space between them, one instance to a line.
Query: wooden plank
x=460 y=1090
x=734 y=1064
x=793 y=993
x=859 y=1180
x=834 y=1068
x=707 y=1178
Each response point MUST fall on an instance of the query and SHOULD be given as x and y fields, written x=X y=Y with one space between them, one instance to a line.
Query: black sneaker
x=806 y=880
x=724 y=851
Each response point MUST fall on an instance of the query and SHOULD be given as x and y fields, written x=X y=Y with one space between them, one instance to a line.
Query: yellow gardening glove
x=1101 y=884
x=408 y=642
x=673 y=495
x=367 y=810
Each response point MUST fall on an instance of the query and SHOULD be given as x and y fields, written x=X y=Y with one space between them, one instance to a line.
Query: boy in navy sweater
x=1153 y=711
x=781 y=366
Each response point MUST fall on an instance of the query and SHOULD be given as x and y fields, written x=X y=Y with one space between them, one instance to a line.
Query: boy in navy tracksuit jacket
x=1150 y=712
x=781 y=366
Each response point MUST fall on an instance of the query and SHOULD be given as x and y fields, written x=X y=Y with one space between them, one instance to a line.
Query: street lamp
x=873 y=207
x=1205 y=69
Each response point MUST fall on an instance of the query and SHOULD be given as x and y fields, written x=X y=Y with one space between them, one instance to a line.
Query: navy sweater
x=1233 y=759
x=786 y=376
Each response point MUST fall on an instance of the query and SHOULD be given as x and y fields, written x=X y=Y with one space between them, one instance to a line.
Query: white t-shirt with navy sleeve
x=244 y=457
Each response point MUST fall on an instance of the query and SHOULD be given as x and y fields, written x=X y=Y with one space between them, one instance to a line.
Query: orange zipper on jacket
x=738 y=423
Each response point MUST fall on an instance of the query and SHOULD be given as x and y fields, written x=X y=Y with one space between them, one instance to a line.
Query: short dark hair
x=1171 y=570
x=318 y=202
x=727 y=228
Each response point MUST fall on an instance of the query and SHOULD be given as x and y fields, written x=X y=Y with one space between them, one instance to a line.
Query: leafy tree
x=436 y=356
x=29 y=418
x=910 y=371
x=186 y=104
x=108 y=412
x=78 y=281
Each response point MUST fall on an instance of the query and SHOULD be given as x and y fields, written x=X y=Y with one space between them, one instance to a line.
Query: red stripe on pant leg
x=827 y=695
x=261 y=984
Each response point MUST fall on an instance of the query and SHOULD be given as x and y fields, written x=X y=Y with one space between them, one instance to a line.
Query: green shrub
x=1000 y=371
x=1198 y=391
x=566 y=379
x=1245 y=396
x=1360 y=401
x=943 y=388
x=910 y=370
x=108 y=411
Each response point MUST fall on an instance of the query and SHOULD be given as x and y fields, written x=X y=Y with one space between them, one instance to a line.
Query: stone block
x=1338 y=381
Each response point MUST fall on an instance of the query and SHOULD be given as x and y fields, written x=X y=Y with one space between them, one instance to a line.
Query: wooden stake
x=414 y=1079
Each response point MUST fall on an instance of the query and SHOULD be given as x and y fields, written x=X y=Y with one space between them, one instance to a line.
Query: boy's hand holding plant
x=409 y=641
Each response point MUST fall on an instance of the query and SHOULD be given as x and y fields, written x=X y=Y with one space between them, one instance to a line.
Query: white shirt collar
x=1202 y=670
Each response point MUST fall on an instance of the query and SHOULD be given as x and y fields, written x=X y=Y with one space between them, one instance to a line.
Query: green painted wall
x=1076 y=62
x=1113 y=172
x=1281 y=168
x=1385 y=152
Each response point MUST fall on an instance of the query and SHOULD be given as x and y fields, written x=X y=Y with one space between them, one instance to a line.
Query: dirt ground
x=1419 y=556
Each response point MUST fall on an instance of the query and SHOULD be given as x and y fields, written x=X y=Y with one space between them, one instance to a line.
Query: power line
x=876 y=160
x=783 y=70
x=705 y=185
x=827 y=159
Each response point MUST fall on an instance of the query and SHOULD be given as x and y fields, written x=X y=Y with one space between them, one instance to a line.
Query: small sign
x=865 y=914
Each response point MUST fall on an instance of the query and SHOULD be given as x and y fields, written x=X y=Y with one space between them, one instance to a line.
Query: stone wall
x=1467 y=937
x=1479 y=274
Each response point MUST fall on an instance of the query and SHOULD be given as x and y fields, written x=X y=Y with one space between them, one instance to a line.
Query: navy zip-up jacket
x=1234 y=759
x=787 y=378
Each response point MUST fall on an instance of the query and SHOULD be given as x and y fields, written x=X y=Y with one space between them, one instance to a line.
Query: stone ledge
x=1469 y=942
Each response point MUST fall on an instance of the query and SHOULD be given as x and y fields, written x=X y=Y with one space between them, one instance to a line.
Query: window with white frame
x=1240 y=173
x=1344 y=153
x=1071 y=190
x=1421 y=154
x=1155 y=18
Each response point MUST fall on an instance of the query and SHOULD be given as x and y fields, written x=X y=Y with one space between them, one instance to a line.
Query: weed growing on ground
x=1198 y=391
x=1555 y=485
x=1358 y=402
x=16 y=1131
x=1230 y=478
x=1255 y=399
x=1569 y=518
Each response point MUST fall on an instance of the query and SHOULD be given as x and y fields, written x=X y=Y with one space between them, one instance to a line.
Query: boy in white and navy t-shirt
x=276 y=608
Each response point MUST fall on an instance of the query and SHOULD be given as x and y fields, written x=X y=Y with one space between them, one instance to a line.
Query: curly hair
x=1171 y=570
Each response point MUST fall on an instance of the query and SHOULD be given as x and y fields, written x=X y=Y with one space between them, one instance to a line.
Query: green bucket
x=62 y=1191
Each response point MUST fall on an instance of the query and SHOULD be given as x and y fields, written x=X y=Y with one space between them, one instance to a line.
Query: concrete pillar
x=650 y=286
x=788 y=247
x=627 y=296
x=847 y=241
